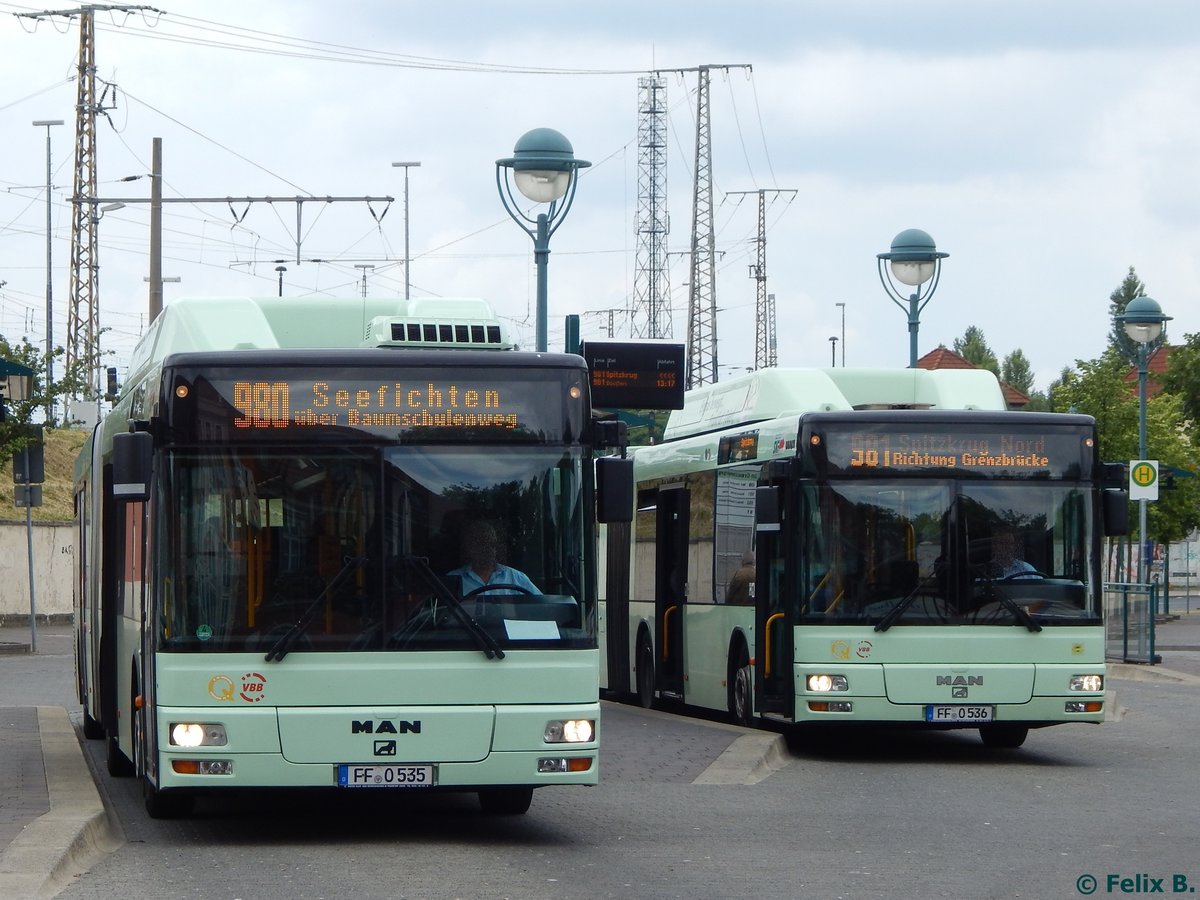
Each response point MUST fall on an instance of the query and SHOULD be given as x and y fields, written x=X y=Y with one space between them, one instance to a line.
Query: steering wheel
x=496 y=588
x=1028 y=573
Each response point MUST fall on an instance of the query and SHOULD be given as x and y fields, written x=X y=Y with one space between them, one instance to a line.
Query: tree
x=1183 y=378
x=1118 y=340
x=1017 y=372
x=1098 y=389
x=15 y=432
x=973 y=347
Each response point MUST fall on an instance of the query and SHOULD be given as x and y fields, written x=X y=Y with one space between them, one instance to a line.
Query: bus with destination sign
x=917 y=554
x=312 y=560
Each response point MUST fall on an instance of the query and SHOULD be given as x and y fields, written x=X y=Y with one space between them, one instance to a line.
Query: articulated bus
x=267 y=523
x=883 y=513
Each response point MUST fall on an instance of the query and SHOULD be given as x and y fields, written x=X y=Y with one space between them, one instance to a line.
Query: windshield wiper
x=898 y=610
x=281 y=647
x=1020 y=613
x=486 y=642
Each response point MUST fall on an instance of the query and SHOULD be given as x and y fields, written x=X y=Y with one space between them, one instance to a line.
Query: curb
x=66 y=840
x=1133 y=672
x=748 y=760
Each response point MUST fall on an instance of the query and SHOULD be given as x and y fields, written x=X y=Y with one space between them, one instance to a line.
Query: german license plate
x=369 y=776
x=958 y=712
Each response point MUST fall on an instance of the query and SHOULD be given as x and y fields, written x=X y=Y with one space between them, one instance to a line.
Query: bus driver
x=479 y=548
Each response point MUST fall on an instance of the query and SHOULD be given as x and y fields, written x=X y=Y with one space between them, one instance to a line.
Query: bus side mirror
x=131 y=461
x=1116 y=511
x=766 y=508
x=614 y=489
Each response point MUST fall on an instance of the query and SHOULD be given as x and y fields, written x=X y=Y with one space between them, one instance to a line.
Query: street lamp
x=843 y=306
x=545 y=170
x=47 y=123
x=1143 y=320
x=832 y=350
x=914 y=260
x=406 y=166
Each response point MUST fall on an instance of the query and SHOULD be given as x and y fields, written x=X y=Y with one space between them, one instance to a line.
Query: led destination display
x=270 y=404
x=420 y=405
x=1015 y=454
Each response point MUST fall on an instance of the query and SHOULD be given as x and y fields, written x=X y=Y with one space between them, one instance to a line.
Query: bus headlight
x=1090 y=683
x=197 y=734
x=570 y=731
x=823 y=684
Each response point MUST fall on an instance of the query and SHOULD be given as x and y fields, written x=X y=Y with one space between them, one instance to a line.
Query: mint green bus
x=343 y=544
x=913 y=554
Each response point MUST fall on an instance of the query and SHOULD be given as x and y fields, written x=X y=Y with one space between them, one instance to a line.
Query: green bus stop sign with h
x=1143 y=479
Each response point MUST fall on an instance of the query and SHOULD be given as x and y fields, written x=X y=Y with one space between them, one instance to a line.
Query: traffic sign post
x=1143 y=479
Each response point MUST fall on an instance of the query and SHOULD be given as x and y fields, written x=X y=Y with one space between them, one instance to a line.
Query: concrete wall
x=53 y=570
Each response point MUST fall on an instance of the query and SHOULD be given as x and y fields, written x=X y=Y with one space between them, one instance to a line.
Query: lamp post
x=913 y=260
x=406 y=166
x=47 y=123
x=843 y=306
x=1143 y=320
x=832 y=350
x=545 y=170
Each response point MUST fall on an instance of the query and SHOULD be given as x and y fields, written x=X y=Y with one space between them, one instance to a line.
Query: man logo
x=385 y=748
x=958 y=693
x=385 y=726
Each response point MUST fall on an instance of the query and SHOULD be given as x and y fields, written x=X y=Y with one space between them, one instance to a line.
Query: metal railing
x=1130 y=611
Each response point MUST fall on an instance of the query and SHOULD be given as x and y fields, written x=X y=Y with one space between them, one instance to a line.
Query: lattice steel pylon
x=765 y=356
x=82 y=312
x=651 y=313
x=83 y=320
x=702 y=291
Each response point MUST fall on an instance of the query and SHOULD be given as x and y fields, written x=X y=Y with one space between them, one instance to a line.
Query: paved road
x=53 y=825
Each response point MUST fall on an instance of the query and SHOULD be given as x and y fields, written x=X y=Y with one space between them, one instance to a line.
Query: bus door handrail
x=666 y=632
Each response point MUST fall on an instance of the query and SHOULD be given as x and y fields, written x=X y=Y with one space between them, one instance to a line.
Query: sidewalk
x=52 y=821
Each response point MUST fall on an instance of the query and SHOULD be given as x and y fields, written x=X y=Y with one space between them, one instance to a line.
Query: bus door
x=672 y=520
x=774 y=615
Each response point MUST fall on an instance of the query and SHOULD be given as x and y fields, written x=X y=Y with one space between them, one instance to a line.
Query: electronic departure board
x=892 y=449
x=630 y=375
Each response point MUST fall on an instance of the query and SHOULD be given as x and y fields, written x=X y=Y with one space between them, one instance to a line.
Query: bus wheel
x=506 y=801
x=1007 y=737
x=159 y=804
x=741 y=692
x=92 y=729
x=645 y=673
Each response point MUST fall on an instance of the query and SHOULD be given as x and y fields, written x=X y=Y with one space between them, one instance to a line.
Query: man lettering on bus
x=480 y=548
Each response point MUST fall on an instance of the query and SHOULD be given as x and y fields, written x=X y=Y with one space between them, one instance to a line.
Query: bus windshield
x=369 y=548
x=947 y=552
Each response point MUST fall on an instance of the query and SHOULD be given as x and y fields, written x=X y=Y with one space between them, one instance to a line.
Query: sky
x=1046 y=146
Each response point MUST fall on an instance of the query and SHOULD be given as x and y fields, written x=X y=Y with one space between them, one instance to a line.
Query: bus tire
x=1004 y=737
x=741 y=688
x=506 y=801
x=645 y=672
x=159 y=804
